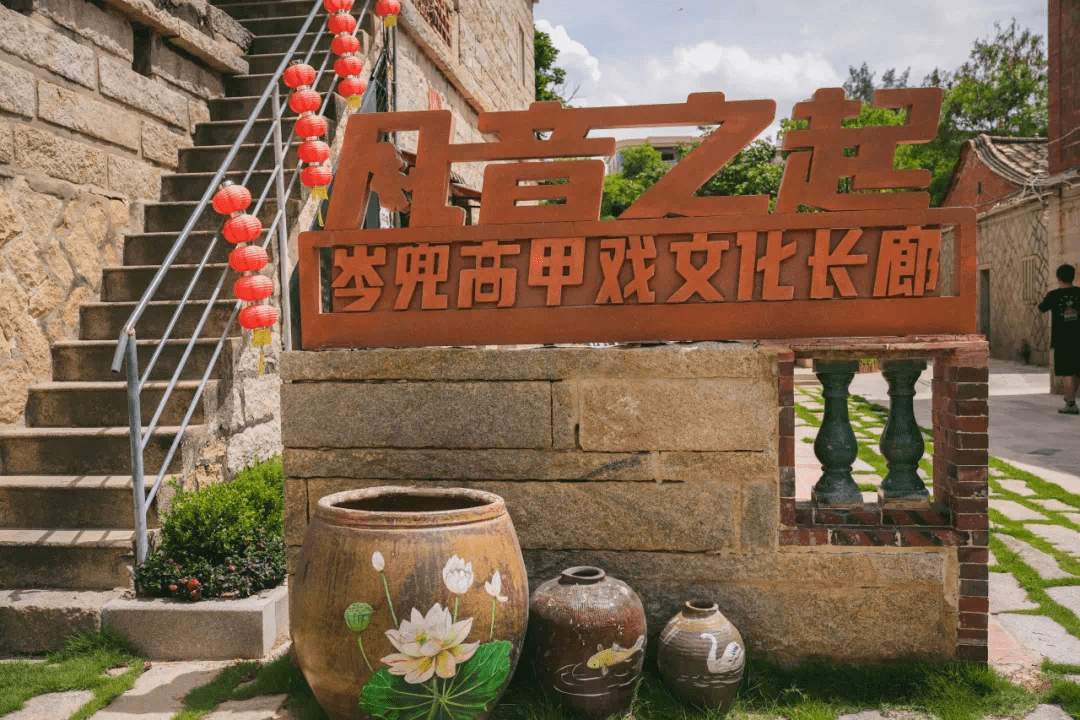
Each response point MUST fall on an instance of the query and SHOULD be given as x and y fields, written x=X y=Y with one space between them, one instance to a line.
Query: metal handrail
x=127 y=346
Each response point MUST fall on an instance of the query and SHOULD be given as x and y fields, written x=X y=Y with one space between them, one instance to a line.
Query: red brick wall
x=1064 y=66
x=976 y=185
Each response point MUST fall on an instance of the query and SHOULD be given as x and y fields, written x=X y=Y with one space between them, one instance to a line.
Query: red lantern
x=388 y=10
x=333 y=6
x=254 y=317
x=241 y=229
x=250 y=258
x=348 y=65
x=302 y=101
x=351 y=87
x=313 y=151
x=311 y=126
x=298 y=75
x=253 y=288
x=341 y=23
x=316 y=176
x=344 y=44
x=231 y=198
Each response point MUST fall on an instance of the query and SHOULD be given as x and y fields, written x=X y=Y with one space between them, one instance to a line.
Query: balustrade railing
x=126 y=347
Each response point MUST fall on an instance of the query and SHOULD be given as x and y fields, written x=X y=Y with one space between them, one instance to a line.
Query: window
x=525 y=76
x=143 y=37
x=1029 y=279
x=437 y=13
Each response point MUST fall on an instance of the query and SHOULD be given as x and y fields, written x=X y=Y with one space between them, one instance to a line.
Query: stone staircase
x=66 y=508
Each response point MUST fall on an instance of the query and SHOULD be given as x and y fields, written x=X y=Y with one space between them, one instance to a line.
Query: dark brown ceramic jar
x=586 y=641
x=407 y=601
x=701 y=656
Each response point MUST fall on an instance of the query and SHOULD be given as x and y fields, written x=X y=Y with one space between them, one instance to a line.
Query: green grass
x=247 y=680
x=80 y=665
x=820 y=691
x=812 y=691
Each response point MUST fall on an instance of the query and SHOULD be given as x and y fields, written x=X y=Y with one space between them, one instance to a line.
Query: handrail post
x=283 y=232
x=135 y=421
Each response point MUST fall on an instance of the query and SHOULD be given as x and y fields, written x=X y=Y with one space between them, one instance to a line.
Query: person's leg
x=1067 y=367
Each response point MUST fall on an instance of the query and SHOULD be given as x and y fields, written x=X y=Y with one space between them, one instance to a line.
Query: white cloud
x=701 y=67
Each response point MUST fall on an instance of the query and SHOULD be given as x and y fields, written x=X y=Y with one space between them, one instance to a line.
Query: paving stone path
x=1034 y=540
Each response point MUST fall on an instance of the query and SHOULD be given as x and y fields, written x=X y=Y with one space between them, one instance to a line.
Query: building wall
x=977 y=186
x=661 y=465
x=1064 y=68
x=83 y=139
x=1013 y=248
x=466 y=56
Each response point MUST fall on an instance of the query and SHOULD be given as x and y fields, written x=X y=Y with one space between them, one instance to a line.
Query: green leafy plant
x=223 y=540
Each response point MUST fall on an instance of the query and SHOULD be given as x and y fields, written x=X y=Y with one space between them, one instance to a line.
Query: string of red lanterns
x=241 y=228
x=345 y=44
x=305 y=101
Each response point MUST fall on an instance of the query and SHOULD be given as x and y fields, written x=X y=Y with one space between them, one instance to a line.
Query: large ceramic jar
x=409 y=602
x=587 y=641
x=701 y=656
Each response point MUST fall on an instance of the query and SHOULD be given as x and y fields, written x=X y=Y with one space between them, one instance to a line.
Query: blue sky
x=645 y=51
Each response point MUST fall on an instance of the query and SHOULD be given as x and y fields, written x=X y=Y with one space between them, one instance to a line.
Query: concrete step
x=190 y=186
x=225 y=132
x=281 y=24
x=81 y=451
x=245 y=85
x=248 y=10
x=104 y=321
x=268 y=62
x=129 y=282
x=69 y=501
x=152 y=248
x=35 y=622
x=68 y=558
x=208 y=158
x=173 y=215
x=268 y=43
x=91 y=360
x=105 y=404
x=236 y=108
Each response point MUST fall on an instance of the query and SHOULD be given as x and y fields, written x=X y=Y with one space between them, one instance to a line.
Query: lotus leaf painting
x=539 y=266
x=436 y=672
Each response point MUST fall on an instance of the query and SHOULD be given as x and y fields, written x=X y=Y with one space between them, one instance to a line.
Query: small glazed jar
x=586 y=641
x=701 y=656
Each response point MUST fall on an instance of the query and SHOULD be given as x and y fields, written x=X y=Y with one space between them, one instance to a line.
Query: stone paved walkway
x=1034 y=504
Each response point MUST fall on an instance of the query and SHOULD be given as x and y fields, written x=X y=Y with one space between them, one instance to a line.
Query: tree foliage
x=1000 y=90
x=550 y=80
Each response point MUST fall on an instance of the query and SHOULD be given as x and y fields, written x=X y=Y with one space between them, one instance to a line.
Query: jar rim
x=581 y=575
x=700 y=608
x=480 y=506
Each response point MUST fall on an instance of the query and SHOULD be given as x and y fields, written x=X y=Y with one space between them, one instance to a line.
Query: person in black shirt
x=1064 y=304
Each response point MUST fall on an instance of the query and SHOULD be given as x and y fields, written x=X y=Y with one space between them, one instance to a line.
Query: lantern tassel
x=319 y=193
x=354 y=101
x=261 y=338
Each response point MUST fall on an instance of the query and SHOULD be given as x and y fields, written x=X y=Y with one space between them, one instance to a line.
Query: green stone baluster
x=836 y=446
x=902 y=441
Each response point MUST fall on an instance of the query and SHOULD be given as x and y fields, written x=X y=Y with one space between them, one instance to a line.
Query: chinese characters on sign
x=541 y=267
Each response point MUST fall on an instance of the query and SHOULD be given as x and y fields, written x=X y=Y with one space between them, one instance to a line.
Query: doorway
x=984 y=303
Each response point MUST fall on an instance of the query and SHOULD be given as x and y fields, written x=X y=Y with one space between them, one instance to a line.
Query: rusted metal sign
x=673 y=266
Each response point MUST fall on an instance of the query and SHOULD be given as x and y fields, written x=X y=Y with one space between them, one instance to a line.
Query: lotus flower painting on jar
x=434 y=614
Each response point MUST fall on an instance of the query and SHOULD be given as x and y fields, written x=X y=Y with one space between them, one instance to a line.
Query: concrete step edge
x=31 y=433
x=65 y=538
x=65 y=482
x=110 y=385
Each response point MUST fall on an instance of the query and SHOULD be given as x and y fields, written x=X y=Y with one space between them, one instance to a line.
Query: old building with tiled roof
x=994 y=169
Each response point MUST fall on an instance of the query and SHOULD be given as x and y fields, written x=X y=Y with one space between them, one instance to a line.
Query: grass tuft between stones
x=79 y=665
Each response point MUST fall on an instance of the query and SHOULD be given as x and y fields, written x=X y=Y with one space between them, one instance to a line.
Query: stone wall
x=659 y=464
x=83 y=139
